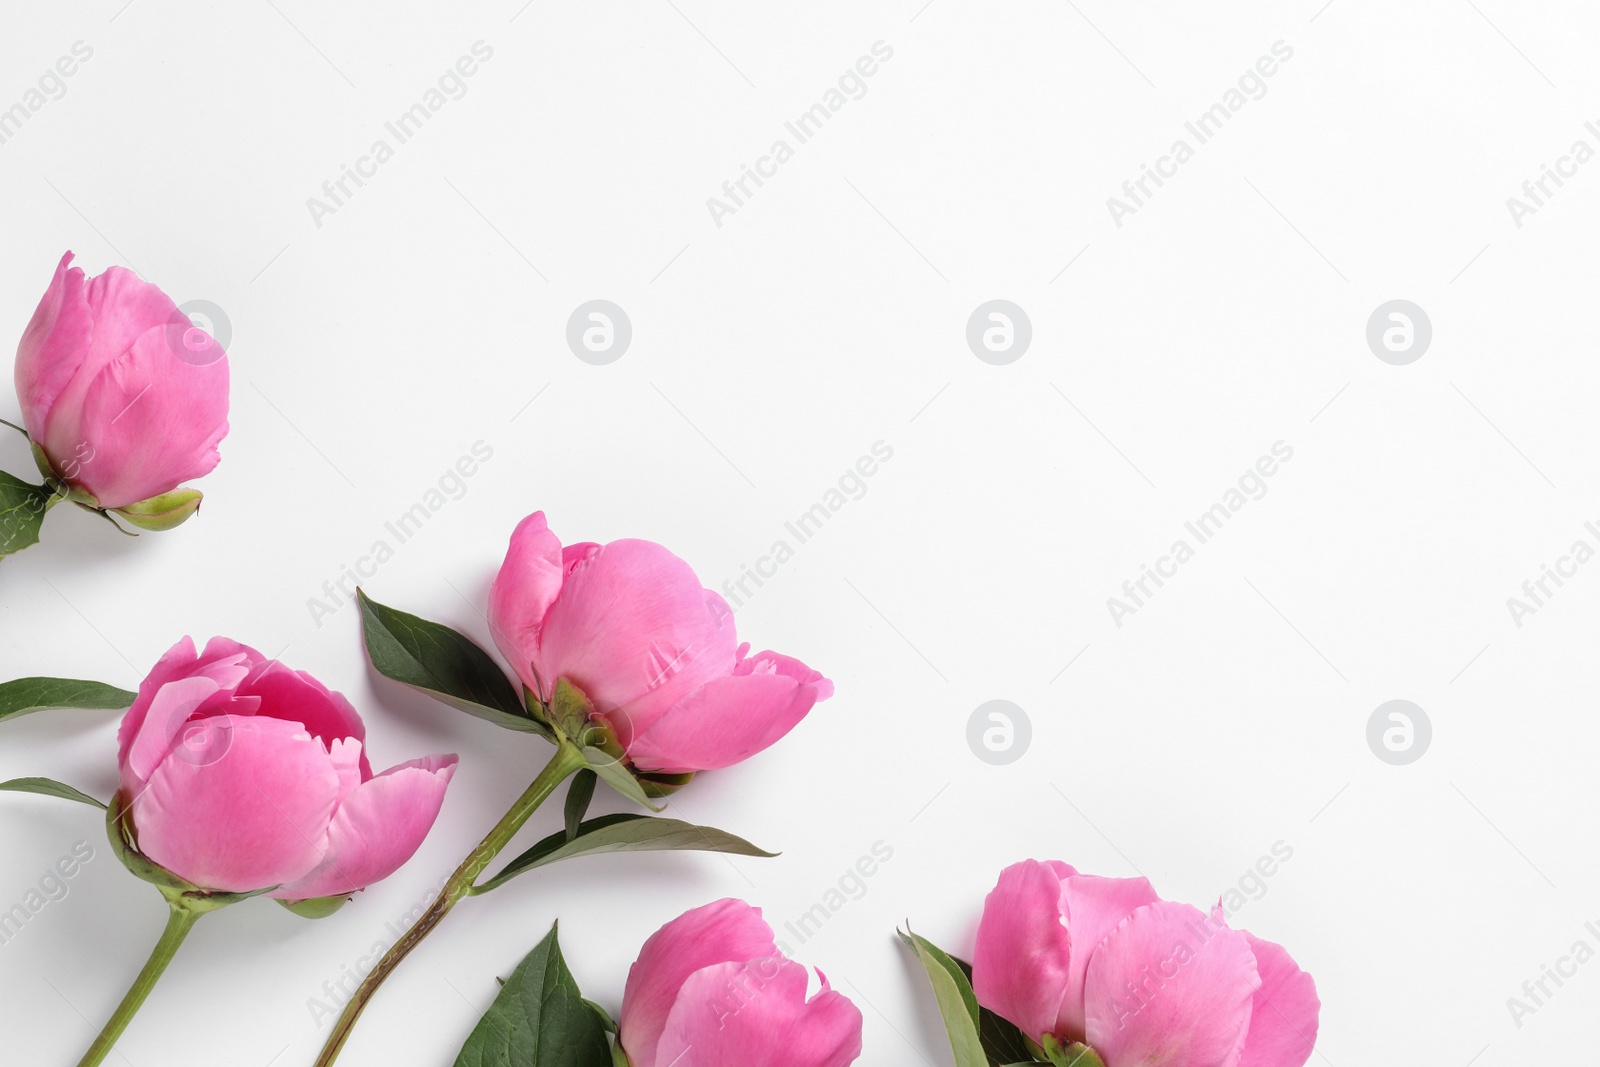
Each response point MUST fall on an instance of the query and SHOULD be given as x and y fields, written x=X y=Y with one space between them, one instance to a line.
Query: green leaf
x=618 y=776
x=625 y=833
x=579 y=794
x=958 y=1006
x=1002 y=1041
x=442 y=663
x=50 y=788
x=22 y=508
x=46 y=694
x=540 y=1019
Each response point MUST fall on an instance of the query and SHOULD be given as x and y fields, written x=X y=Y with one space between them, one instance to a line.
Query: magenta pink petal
x=1093 y=907
x=145 y=423
x=1170 y=987
x=255 y=817
x=728 y=719
x=528 y=583
x=54 y=346
x=721 y=932
x=376 y=828
x=174 y=704
x=636 y=632
x=1022 y=963
x=756 y=1014
x=1283 y=1021
x=295 y=696
x=176 y=662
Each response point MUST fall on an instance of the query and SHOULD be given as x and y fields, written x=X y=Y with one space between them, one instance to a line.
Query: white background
x=769 y=353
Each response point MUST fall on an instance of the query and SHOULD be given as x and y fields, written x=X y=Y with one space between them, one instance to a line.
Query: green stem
x=181 y=920
x=567 y=760
x=15 y=427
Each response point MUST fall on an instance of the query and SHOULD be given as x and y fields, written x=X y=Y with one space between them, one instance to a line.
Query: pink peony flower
x=126 y=398
x=239 y=774
x=711 y=989
x=1142 y=981
x=629 y=624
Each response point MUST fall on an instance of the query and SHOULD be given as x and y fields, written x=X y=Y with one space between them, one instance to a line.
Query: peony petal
x=142 y=425
x=175 y=663
x=295 y=696
x=171 y=708
x=1093 y=907
x=254 y=817
x=1170 y=988
x=1283 y=1021
x=756 y=1015
x=635 y=631
x=1022 y=962
x=726 y=931
x=54 y=346
x=528 y=583
x=730 y=719
x=377 y=828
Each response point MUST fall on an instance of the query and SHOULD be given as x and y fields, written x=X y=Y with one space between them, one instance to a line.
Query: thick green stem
x=179 y=923
x=567 y=761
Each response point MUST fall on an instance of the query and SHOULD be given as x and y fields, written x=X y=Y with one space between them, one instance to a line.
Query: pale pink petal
x=1093 y=907
x=144 y=424
x=1022 y=962
x=377 y=828
x=1283 y=1021
x=726 y=931
x=1170 y=987
x=253 y=817
x=730 y=719
x=756 y=1015
x=175 y=663
x=528 y=583
x=636 y=632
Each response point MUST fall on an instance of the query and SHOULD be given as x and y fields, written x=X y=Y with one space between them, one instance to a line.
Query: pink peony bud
x=711 y=989
x=239 y=774
x=125 y=398
x=629 y=624
x=1142 y=981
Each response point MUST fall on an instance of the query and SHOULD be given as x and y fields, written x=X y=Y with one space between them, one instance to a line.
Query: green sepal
x=179 y=893
x=165 y=512
x=1070 y=1053
x=316 y=907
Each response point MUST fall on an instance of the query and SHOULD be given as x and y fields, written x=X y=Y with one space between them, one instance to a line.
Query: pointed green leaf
x=617 y=775
x=1002 y=1041
x=22 y=508
x=579 y=794
x=51 y=788
x=442 y=663
x=45 y=694
x=540 y=1019
x=958 y=1006
x=625 y=833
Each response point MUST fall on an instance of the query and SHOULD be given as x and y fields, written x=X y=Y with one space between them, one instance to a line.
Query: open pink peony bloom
x=1142 y=981
x=711 y=989
x=629 y=624
x=240 y=774
x=124 y=395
